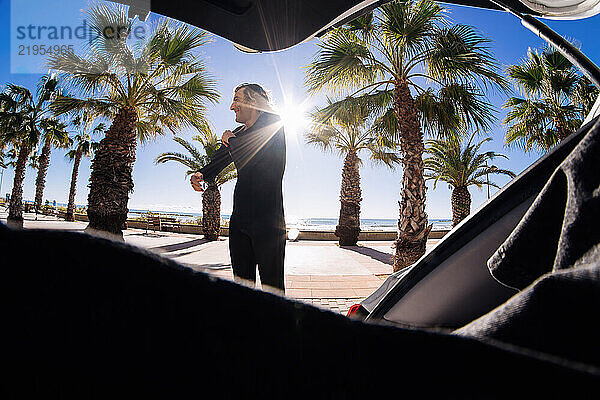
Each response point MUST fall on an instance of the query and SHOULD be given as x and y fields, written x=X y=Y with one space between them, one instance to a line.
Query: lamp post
x=1 y=176
x=492 y=168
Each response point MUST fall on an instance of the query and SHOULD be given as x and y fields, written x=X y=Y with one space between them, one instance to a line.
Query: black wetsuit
x=257 y=225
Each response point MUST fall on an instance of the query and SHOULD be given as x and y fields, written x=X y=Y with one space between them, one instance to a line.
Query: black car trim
x=571 y=53
x=272 y=25
x=527 y=184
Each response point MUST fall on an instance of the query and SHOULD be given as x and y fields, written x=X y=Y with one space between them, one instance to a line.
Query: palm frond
x=147 y=129
x=363 y=25
x=71 y=105
x=460 y=164
x=21 y=95
x=343 y=62
x=323 y=136
x=70 y=155
x=87 y=74
x=437 y=117
x=196 y=160
x=556 y=100
x=529 y=75
x=382 y=155
x=469 y=104
x=189 y=147
x=55 y=132
x=385 y=128
x=109 y=27
x=229 y=173
x=47 y=87
x=99 y=128
x=173 y=44
x=460 y=54
x=178 y=157
x=198 y=87
x=354 y=111
x=555 y=61
x=585 y=95
x=408 y=25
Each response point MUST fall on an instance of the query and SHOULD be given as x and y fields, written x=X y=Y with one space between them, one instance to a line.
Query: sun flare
x=294 y=118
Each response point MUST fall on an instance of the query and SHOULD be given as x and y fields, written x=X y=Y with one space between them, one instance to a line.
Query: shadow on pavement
x=380 y=256
x=148 y=234
x=179 y=246
x=200 y=267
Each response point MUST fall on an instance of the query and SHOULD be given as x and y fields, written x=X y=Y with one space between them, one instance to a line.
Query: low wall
x=303 y=235
x=364 y=235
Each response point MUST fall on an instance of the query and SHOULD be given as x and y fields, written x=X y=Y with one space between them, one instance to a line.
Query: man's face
x=242 y=110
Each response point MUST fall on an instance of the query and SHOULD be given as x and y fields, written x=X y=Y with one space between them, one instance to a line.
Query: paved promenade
x=318 y=272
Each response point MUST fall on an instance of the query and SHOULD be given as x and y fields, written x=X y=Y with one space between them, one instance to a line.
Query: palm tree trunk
x=461 y=204
x=412 y=223
x=211 y=212
x=15 y=209
x=348 y=227
x=111 y=177
x=40 y=181
x=561 y=131
x=71 y=206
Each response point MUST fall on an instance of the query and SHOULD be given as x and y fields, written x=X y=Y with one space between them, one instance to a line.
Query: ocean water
x=366 y=224
x=313 y=224
x=318 y=224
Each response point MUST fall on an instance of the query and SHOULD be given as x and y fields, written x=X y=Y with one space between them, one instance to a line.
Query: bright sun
x=294 y=118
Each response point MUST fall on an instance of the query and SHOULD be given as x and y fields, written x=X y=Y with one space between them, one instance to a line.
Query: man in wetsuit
x=257 y=148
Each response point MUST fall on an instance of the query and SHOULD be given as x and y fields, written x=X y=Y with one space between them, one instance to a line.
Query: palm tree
x=54 y=135
x=11 y=157
x=413 y=70
x=147 y=89
x=21 y=119
x=460 y=167
x=211 y=198
x=3 y=155
x=344 y=130
x=556 y=100
x=83 y=147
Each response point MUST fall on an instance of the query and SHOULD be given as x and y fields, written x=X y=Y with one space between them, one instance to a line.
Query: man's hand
x=197 y=182
x=226 y=136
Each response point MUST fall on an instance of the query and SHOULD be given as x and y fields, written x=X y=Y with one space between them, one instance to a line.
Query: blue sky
x=312 y=179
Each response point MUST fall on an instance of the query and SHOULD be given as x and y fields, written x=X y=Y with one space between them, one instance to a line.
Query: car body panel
x=451 y=284
x=271 y=25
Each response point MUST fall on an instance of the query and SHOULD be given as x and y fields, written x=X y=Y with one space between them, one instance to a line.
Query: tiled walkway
x=317 y=272
x=320 y=273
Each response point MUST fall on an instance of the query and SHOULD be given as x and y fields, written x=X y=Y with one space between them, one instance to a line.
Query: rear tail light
x=353 y=310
